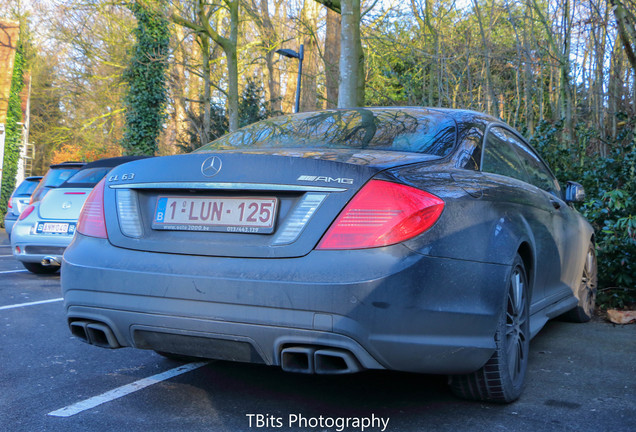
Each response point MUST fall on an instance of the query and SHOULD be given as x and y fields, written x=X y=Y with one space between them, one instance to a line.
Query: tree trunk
x=332 y=55
x=269 y=40
x=289 y=97
x=205 y=66
x=308 y=90
x=230 y=48
x=179 y=118
x=349 y=54
x=362 y=78
x=491 y=98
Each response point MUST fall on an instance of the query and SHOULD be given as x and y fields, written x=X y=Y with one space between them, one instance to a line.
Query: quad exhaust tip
x=314 y=360
x=51 y=261
x=94 y=333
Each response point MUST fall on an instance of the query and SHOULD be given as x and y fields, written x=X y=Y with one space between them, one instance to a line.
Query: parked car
x=421 y=240
x=55 y=176
x=46 y=227
x=18 y=200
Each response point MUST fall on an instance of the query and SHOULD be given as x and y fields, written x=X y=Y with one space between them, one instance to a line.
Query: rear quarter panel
x=487 y=217
x=482 y=221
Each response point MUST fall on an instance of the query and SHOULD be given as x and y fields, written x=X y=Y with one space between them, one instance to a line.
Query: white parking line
x=30 y=304
x=13 y=271
x=5 y=256
x=87 y=404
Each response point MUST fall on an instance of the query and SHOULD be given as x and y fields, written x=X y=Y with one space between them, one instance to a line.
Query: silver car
x=45 y=228
x=19 y=200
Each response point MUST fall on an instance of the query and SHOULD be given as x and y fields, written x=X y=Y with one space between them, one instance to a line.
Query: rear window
x=26 y=188
x=87 y=177
x=57 y=176
x=402 y=130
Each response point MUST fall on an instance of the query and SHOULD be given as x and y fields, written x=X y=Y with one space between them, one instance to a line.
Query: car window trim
x=483 y=153
x=525 y=142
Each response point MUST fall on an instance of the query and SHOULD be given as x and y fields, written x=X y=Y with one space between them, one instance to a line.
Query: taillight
x=91 y=220
x=26 y=212
x=381 y=214
x=10 y=204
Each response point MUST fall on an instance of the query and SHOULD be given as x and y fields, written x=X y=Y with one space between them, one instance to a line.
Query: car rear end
x=288 y=257
x=19 y=200
x=55 y=176
x=46 y=227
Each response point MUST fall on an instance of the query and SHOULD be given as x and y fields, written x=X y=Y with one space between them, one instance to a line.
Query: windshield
x=406 y=130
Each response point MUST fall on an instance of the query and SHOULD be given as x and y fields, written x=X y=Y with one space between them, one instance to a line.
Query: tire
x=586 y=292
x=502 y=378
x=39 y=268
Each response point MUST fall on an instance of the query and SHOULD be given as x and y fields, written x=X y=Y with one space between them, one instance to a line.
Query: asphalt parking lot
x=581 y=378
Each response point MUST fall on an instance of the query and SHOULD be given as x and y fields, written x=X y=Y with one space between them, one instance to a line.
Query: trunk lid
x=63 y=203
x=221 y=203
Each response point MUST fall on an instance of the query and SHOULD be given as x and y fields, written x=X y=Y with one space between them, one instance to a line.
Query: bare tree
x=201 y=21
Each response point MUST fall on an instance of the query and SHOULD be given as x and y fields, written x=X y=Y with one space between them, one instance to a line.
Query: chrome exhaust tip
x=298 y=360
x=335 y=361
x=51 y=261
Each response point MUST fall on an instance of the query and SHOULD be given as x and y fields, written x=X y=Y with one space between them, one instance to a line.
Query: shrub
x=610 y=186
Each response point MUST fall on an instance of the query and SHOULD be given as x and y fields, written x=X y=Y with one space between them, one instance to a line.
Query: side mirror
x=574 y=192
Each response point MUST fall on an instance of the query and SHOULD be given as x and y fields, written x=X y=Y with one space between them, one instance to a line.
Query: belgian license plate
x=55 y=228
x=243 y=215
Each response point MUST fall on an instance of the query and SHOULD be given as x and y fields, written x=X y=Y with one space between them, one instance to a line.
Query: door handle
x=555 y=204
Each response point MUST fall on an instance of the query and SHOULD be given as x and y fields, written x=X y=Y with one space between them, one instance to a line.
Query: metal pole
x=300 y=73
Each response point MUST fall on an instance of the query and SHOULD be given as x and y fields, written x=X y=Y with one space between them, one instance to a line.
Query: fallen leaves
x=621 y=317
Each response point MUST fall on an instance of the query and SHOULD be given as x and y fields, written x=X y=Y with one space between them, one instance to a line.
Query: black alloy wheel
x=586 y=294
x=502 y=378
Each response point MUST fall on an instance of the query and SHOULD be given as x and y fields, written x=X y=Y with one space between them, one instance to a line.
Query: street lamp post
x=299 y=55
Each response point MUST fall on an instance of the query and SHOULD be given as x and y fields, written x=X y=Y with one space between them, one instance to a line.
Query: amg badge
x=325 y=179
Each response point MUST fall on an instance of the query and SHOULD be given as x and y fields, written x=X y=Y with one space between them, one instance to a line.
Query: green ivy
x=13 y=131
x=147 y=93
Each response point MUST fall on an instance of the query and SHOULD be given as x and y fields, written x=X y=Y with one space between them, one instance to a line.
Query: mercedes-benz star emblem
x=211 y=166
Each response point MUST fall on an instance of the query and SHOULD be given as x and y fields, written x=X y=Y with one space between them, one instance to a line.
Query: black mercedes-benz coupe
x=412 y=239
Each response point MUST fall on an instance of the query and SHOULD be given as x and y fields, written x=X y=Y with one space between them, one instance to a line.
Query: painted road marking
x=13 y=271
x=5 y=256
x=122 y=391
x=30 y=304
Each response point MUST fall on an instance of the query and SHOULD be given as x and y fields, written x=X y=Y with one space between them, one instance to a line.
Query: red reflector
x=9 y=204
x=381 y=214
x=91 y=221
x=26 y=212
x=74 y=193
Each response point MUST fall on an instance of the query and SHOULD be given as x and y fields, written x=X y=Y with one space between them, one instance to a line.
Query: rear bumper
x=9 y=220
x=389 y=307
x=34 y=247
